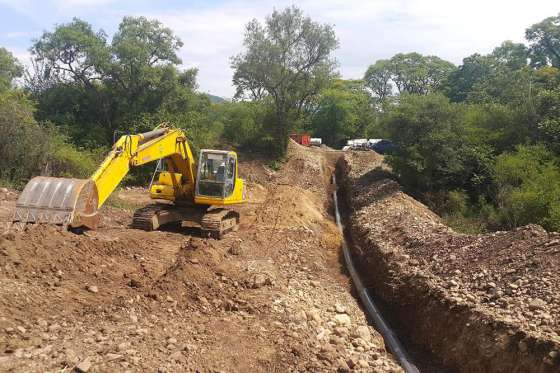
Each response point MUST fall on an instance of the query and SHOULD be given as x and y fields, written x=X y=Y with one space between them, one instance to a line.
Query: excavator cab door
x=230 y=176
x=216 y=174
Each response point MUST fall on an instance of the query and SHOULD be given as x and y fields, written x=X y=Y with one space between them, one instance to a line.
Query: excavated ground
x=481 y=303
x=271 y=297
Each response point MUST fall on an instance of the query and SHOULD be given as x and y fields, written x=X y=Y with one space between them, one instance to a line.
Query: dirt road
x=271 y=297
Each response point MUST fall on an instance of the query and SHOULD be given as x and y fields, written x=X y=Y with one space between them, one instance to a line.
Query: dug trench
x=472 y=303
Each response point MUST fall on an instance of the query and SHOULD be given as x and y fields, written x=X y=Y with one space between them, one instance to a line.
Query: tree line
x=478 y=142
x=480 y=146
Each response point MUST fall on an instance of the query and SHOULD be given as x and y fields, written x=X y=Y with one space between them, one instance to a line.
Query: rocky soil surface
x=480 y=302
x=271 y=297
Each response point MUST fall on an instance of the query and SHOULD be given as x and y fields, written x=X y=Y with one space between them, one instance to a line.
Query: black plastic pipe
x=388 y=334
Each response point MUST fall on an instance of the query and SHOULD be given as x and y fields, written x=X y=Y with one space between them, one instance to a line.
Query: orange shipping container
x=303 y=139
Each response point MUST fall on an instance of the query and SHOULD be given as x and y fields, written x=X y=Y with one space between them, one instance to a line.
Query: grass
x=5 y=183
x=274 y=164
x=116 y=202
x=465 y=224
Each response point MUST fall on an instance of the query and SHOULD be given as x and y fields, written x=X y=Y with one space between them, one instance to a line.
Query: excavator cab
x=217 y=182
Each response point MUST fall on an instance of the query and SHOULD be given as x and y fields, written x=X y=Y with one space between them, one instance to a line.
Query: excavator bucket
x=71 y=203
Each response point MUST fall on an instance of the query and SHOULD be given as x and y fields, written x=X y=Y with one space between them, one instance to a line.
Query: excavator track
x=214 y=223
x=146 y=218
x=218 y=222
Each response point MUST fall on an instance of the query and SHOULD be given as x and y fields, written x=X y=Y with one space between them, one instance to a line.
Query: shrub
x=432 y=152
x=528 y=187
x=28 y=149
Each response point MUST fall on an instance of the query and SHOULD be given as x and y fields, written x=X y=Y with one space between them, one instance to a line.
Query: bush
x=242 y=123
x=459 y=214
x=251 y=126
x=28 y=149
x=528 y=188
x=23 y=144
x=65 y=160
x=433 y=153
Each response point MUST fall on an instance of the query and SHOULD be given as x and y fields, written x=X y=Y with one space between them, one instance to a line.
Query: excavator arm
x=136 y=150
x=75 y=202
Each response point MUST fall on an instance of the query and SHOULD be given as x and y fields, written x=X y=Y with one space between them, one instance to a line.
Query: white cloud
x=367 y=29
x=17 y=34
x=211 y=36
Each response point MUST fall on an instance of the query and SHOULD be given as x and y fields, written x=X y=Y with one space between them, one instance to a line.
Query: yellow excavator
x=192 y=195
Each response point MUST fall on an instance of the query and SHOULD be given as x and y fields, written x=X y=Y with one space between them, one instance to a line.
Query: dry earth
x=482 y=303
x=271 y=297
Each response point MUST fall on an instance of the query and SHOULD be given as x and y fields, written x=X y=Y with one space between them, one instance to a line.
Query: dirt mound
x=474 y=290
x=270 y=297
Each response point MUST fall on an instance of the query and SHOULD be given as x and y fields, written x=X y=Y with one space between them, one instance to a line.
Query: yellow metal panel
x=169 y=178
x=238 y=196
x=159 y=191
x=114 y=168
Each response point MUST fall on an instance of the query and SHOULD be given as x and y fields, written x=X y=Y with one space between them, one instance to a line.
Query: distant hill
x=216 y=99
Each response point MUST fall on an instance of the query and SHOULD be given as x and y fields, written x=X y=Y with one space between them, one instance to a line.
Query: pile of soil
x=8 y=199
x=479 y=302
x=271 y=297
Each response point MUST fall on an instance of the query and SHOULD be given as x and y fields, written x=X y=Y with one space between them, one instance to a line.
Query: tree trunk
x=281 y=132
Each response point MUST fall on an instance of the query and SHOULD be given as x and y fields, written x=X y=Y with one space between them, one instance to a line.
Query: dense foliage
x=95 y=89
x=342 y=111
x=28 y=148
x=483 y=147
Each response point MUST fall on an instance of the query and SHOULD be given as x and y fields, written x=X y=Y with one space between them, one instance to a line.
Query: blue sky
x=212 y=31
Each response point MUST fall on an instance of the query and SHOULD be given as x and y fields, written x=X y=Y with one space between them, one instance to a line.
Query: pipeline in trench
x=372 y=310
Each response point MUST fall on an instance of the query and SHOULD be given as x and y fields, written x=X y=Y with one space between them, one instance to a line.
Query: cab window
x=212 y=174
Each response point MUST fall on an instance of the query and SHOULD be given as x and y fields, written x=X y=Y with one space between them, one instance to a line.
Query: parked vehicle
x=381 y=146
x=316 y=141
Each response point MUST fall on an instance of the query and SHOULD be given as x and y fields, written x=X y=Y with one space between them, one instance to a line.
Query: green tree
x=426 y=132
x=513 y=55
x=460 y=83
x=287 y=59
x=72 y=53
x=378 y=80
x=95 y=90
x=549 y=121
x=436 y=150
x=342 y=111
x=10 y=69
x=544 y=42
x=417 y=74
x=143 y=72
x=500 y=77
